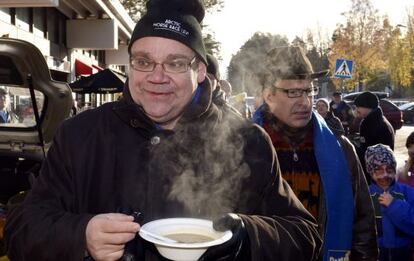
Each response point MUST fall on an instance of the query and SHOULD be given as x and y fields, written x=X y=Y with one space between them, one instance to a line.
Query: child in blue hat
x=393 y=203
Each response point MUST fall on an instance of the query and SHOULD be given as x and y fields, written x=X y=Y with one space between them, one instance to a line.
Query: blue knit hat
x=378 y=155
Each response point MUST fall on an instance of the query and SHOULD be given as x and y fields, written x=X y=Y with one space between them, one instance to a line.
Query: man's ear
x=267 y=95
x=202 y=71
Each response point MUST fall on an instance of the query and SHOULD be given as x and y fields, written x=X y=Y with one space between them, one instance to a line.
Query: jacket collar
x=374 y=115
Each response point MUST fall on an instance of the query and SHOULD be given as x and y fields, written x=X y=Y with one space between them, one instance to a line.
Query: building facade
x=76 y=37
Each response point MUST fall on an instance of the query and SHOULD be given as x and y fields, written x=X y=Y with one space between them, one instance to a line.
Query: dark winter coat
x=374 y=129
x=343 y=111
x=334 y=123
x=115 y=156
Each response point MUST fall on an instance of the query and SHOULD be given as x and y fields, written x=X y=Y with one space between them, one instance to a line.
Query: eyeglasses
x=295 y=93
x=179 y=65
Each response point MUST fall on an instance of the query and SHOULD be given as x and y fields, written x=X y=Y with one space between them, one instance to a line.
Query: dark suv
x=390 y=110
x=35 y=105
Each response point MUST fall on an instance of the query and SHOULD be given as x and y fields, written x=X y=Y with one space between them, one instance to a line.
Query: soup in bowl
x=187 y=238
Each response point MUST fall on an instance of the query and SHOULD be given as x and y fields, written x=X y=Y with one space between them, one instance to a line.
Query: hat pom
x=182 y=7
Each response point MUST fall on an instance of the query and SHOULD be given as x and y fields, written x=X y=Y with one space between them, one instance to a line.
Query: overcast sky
x=240 y=19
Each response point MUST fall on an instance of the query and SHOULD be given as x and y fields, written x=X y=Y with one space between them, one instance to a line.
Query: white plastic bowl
x=184 y=251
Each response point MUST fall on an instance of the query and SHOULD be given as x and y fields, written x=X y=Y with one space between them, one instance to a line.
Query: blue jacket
x=398 y=218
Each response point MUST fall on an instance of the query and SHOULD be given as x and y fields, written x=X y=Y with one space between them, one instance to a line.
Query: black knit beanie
x=366 y=100
x=212 y=66
x=173 y=19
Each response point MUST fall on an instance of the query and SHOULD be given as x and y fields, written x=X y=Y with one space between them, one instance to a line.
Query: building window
x=23 y=19
x=5 y=15
x=62 y=29
x=39 y=22
x=101 y=56
x=52 y=26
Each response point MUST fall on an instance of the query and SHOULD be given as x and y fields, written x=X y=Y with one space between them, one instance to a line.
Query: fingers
x=117 y=238
x=111 y=256
x=107 y=234
x=116 y=217
x=116 y=223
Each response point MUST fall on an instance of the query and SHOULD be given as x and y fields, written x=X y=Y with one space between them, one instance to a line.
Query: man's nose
x=158 y=74
x=305 y=99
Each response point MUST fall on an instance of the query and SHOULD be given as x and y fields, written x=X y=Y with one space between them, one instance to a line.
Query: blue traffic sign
x=343 y=68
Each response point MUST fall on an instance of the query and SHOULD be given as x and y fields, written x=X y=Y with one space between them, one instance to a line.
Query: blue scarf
x=337 y=186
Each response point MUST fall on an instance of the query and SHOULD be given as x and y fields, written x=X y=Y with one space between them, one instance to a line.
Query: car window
x=16 y=110
x=406 y=106
x=388 y=106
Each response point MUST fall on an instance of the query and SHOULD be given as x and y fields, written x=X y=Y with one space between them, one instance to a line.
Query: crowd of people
x=288 y=183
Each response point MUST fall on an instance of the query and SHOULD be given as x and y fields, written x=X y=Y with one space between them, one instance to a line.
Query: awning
x=96 y=68
x=105 y=81
x=82 y=69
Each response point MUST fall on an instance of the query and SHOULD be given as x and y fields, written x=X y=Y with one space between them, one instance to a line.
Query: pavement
x=399 y=145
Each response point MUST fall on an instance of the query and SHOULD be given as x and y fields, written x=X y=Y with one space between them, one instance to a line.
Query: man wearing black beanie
x=164 y=150
x=374 y=128
x=213 y=74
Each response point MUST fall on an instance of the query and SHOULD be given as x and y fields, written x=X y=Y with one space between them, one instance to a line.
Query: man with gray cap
x=374 y=128
x=322 y=168
x=164 y=150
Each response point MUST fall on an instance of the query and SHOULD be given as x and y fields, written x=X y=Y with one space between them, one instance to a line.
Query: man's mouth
x=302 y=113
x=158 y=94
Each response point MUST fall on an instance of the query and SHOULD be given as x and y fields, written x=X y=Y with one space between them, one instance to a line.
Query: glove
x=237 y=246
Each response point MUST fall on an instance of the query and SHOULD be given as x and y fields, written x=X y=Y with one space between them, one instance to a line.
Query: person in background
x=4 y=113
x=394 y=205
x=75 y=108
x=322 y=169
x=322 y=107
x=164 y=150
x=213 y=74
x=218 y=96
x=374 y=128
x=226 y=87
x=342 y=110
x=405 y=173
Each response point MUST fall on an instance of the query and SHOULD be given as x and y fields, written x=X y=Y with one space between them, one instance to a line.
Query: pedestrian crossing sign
x=343 y=68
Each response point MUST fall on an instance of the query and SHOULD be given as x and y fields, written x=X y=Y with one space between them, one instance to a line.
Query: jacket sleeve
x=364 y=241
x=277 y=223
x=45 y=226
x=401 y=212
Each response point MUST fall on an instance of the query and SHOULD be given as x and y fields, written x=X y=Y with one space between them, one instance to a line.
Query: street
x=399 y=146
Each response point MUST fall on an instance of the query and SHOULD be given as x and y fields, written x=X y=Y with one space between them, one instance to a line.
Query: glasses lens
x=294 y=93
x=176 y=66
x=142 y=64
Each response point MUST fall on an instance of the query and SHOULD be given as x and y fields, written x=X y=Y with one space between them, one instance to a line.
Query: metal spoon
x=159 y=237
